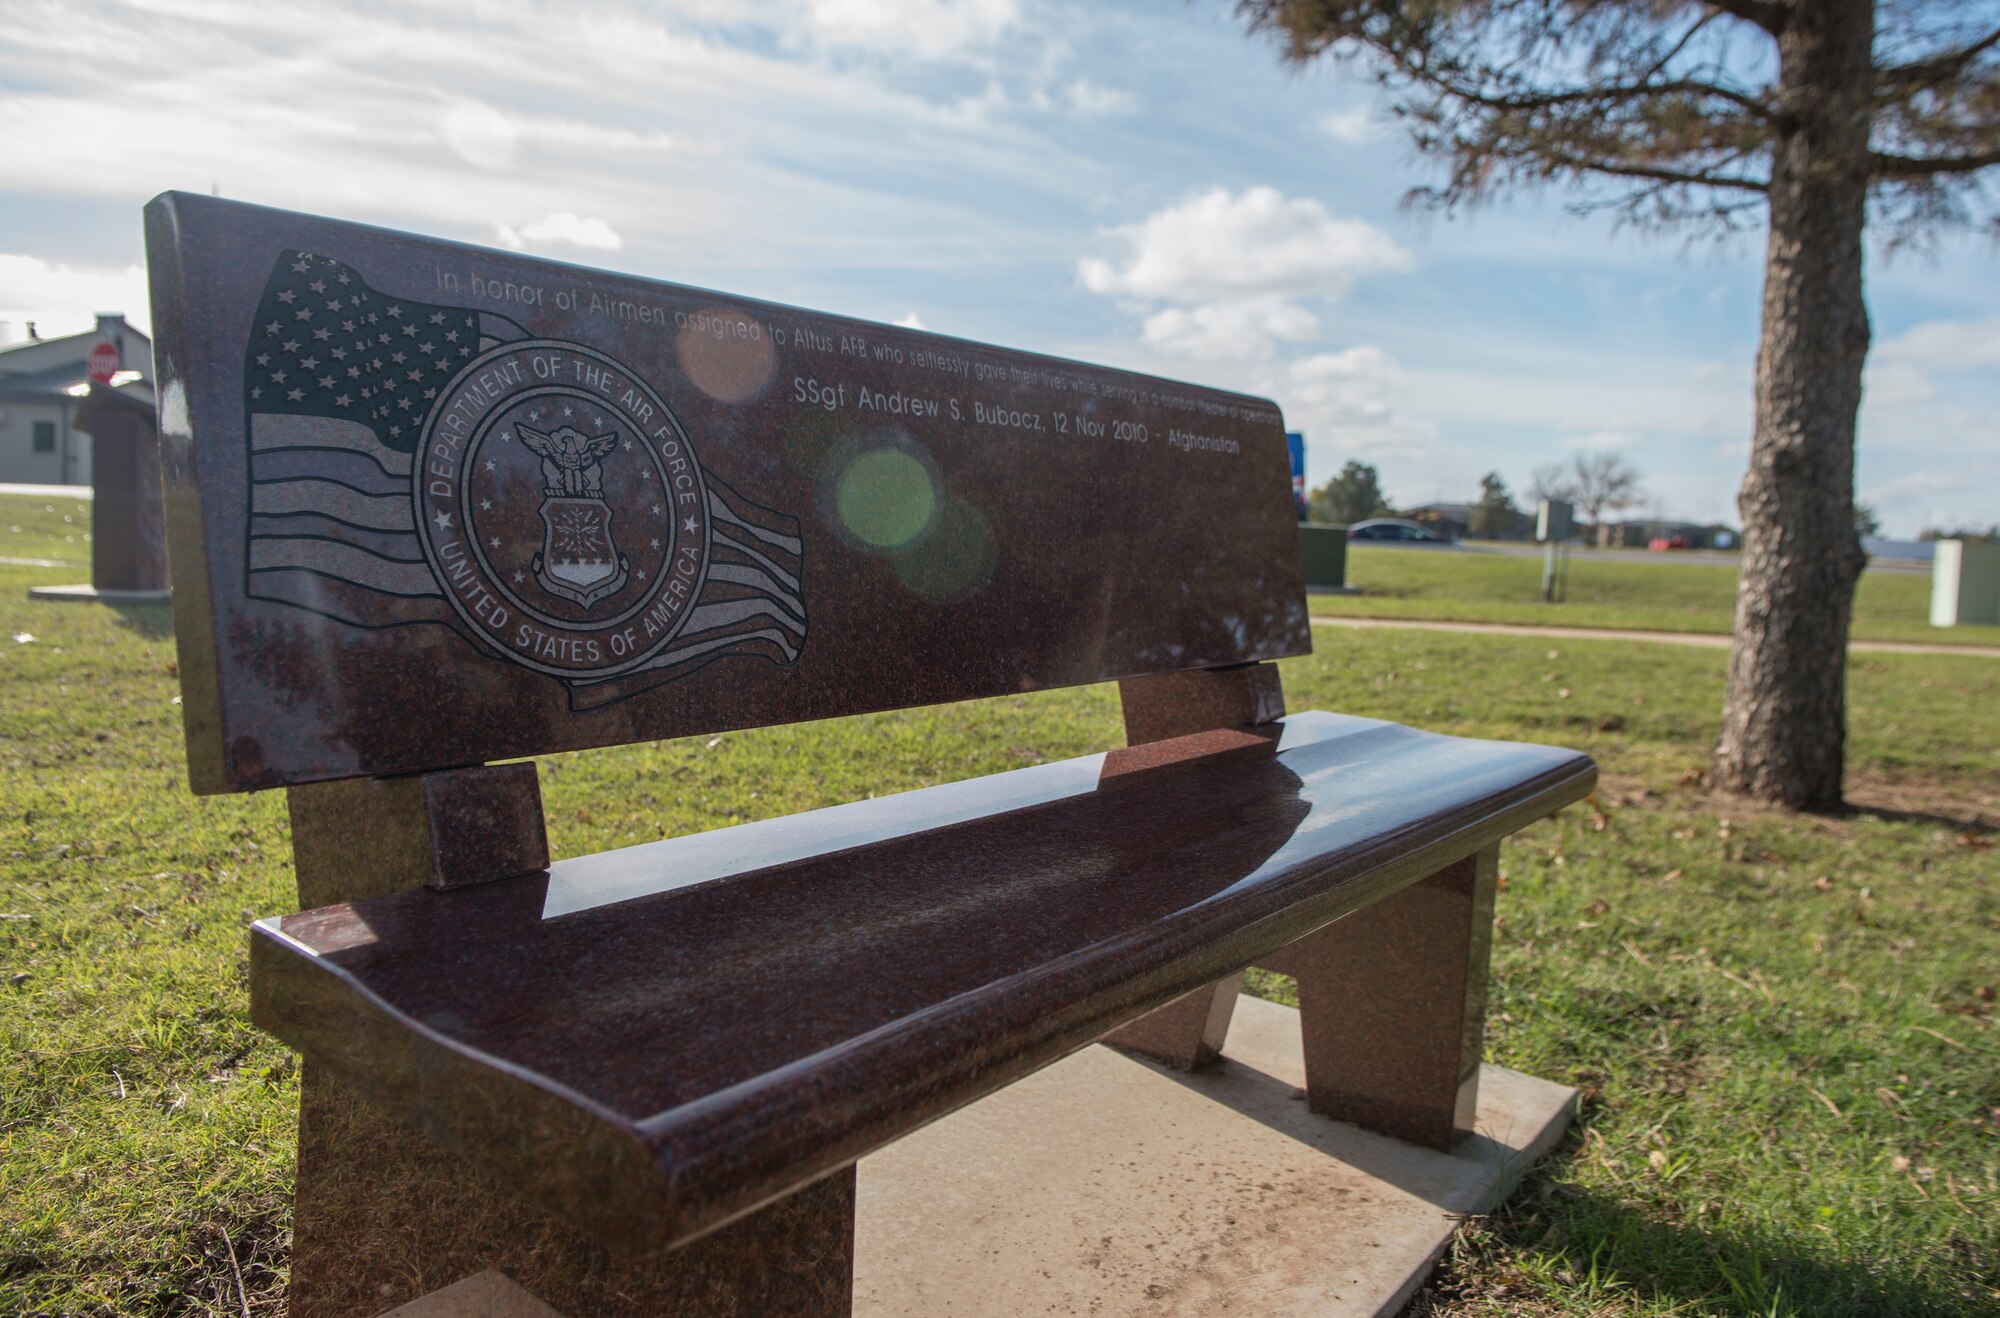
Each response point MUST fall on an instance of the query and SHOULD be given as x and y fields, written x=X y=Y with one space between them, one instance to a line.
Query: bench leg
x=1392 y=1001
x=384 y=1217
x=1187 y=1032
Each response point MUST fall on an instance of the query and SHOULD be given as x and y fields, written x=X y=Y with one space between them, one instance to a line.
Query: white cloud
x=481 y=135
x=415 y=119
x=1365 y=362
x=1233 y=269
x=1244 y=327
x=63 y=299
x=927 y=28
x=977 y=110
x=1731 y=372
x=911 y=320
x=1604 y=441
x=1087 y=97
x=1888 y=382
x=563 y=229
x=1899 y=371
x=1946 y=344
x=1929 y=498
x=1585 y=395
x=1349 y=403
x=1222 y=244
x=1350 y=126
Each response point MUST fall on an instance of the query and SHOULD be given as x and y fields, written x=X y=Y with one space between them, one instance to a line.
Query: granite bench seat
x=656 y=1040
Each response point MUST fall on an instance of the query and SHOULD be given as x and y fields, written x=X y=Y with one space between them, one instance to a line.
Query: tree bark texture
x=1784 y=721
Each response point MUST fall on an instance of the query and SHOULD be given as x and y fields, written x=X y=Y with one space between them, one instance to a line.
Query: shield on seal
x=578 y=560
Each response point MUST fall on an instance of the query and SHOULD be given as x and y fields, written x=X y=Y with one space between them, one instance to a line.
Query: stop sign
x=102 y=362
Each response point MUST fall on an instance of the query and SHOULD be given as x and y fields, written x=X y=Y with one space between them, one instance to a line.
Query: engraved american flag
x=338 y=381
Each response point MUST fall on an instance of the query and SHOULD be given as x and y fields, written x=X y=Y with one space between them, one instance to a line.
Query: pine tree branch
x=1771 y=15
x=1694 y=30
x=1658 y=173
x=1902 y=79
x=1884 y=164
x=1617 y=95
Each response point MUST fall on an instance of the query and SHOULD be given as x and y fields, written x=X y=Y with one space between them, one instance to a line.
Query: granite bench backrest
x=431 y=505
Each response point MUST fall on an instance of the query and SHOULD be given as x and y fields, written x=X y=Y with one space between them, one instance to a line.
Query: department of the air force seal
x=561 y=508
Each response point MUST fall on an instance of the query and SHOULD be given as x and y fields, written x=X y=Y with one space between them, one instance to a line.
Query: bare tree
x=1813 y=115
x=1551 y=481
x=1600 y=483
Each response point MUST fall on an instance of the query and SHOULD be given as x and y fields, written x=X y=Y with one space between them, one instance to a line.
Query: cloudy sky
x=1138 y=184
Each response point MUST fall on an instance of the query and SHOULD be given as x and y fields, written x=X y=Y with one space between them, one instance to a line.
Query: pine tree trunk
x=1784 y=720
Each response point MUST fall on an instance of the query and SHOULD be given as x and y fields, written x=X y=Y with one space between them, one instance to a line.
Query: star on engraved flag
x=373 y=388
x=332 y=429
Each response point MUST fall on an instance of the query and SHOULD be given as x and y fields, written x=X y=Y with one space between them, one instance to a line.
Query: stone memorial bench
x=434 y=508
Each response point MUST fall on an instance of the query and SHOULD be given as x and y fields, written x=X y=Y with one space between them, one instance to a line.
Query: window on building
x=45 y=436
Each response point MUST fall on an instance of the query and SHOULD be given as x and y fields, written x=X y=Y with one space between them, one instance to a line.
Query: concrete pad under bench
x=1108 y=1185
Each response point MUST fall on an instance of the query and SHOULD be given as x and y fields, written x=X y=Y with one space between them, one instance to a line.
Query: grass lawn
x=1682 y=596
x=52 y=529
x=1783 y=1027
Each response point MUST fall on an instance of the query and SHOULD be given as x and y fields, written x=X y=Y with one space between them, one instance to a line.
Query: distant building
x=42 y=381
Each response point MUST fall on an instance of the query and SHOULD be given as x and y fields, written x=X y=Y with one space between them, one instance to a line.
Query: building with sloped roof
x=42 y=383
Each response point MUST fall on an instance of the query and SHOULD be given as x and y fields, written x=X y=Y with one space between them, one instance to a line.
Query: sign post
x=1554 y=519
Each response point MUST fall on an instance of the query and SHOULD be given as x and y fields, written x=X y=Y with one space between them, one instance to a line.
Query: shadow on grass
x=1957 y=817
x=1973 y=823
x=1585 y=1251
x=153 y=621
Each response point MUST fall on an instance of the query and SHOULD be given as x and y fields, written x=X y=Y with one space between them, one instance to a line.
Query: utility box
x=1323 y=550
x=1965 y=583
x=1555 y=519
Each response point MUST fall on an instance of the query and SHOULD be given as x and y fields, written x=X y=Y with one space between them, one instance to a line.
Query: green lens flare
x=885 y=497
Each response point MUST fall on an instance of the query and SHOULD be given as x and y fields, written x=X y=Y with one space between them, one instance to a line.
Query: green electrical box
x=1323 y=549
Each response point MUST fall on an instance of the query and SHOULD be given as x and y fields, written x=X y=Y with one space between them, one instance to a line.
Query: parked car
x=1396 y=529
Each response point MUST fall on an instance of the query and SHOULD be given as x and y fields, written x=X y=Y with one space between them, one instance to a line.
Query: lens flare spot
x=726 y=353
x=885 y=498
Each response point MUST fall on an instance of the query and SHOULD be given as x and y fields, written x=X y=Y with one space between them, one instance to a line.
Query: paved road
x=1706 y=557
x=1578 y=554
x=1698 y=640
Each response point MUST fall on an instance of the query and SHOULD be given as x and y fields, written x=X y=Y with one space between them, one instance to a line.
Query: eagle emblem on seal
x=578 y=560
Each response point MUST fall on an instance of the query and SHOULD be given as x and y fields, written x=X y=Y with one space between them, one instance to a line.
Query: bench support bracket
x=367 y=837
x=1182 y=704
